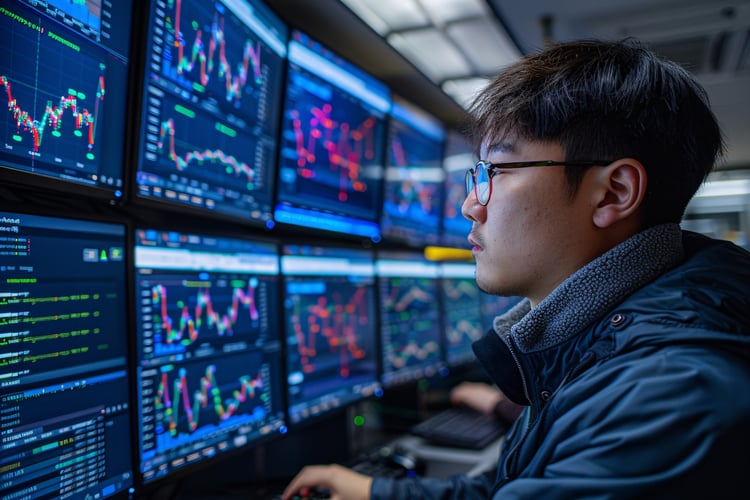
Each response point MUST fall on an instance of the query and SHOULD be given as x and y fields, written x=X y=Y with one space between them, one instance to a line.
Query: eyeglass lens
x=478 y=179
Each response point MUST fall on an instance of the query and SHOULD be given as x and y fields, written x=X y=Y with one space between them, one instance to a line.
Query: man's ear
x=622 y=190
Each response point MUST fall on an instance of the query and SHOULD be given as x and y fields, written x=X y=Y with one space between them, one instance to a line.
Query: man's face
x=530 y=236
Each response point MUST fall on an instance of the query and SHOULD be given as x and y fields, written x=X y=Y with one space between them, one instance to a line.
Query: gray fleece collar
x=593 y=290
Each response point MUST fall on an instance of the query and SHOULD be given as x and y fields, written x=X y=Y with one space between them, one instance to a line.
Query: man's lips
x=475 y=246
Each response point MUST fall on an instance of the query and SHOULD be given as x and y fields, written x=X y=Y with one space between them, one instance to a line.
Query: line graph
x=330 y=147
x=343 y=146
x=462 y=314
x=82 y=119
x=210 y=52
x=191 y=402
x=186 y=312
x=193 y=144
x=409 y=318
x=184 y=406
x=231 y=165
x=55 y=99
x=326 y=330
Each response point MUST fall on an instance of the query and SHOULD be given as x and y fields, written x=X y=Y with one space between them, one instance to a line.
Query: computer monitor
x=211 y=101
x=458 y=159
x=64 y=403
x=332 y=143
x=414 y=177
x=330 y=321
x=462 y=317
x=410 y=330
x=64 y=77
x=494 y=305
x=208 y=346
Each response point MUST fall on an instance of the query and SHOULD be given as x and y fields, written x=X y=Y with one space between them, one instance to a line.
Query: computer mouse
x=401 y=457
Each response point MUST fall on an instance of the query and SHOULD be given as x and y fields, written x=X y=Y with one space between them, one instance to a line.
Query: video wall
x=211 y=235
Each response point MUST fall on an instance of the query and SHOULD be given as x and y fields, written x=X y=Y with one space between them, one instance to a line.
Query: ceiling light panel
x=386 y=16
x=464 y=90
x=445 y=11
x=432 y=52
x=485 y=43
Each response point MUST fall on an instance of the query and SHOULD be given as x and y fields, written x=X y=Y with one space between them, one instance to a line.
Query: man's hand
x=342 y=483
x=479 y=396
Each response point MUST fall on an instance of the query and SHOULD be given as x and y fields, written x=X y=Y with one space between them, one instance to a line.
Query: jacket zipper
x=531 y=419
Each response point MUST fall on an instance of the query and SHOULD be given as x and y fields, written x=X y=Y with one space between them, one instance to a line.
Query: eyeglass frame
x=470 y=179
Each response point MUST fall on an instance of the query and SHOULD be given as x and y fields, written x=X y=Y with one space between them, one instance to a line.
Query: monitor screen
x=211 y=105
x=330 y=319
x=462 y=316
x=64 y=74
x=410 y=332
x=413 y=192
x=64 y=403
x=208 y=347
x=495 y=305
x=332 y=143
x=458 y=159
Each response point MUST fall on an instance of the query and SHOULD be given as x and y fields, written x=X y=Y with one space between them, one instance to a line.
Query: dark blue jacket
x=647 y=395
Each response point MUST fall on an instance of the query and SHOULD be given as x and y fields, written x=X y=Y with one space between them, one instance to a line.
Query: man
x=632 y=350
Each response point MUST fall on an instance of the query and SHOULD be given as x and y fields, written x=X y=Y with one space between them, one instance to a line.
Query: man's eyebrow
x=501 y=147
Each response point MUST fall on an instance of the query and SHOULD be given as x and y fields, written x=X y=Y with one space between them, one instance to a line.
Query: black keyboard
x=388 y=461
x=460 y=427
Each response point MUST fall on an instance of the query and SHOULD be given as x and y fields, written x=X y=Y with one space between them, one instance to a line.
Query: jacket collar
x=580 y=300
x=594 y=289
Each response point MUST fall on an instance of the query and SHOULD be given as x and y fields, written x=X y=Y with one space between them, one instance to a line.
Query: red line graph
x=53 y=114
x=209 y=393
x=233 y=165
x=337 y=322
x=345 y=146
x=204 y=59
x=189 y=325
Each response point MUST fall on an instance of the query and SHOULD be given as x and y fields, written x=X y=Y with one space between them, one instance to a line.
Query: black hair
x=609 y=100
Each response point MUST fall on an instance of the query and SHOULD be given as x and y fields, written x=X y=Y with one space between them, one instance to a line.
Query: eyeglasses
x=478 y=178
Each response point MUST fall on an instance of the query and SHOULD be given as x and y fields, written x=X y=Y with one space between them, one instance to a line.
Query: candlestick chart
x=193 y=400
x=462 y=317
x=195 y=145
x=213 y=54
x=186 y=313
x=409 y=322
x=495 y=305
x=413 y=192
x=330 y=154
x=55 y=97
x=327 y=332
